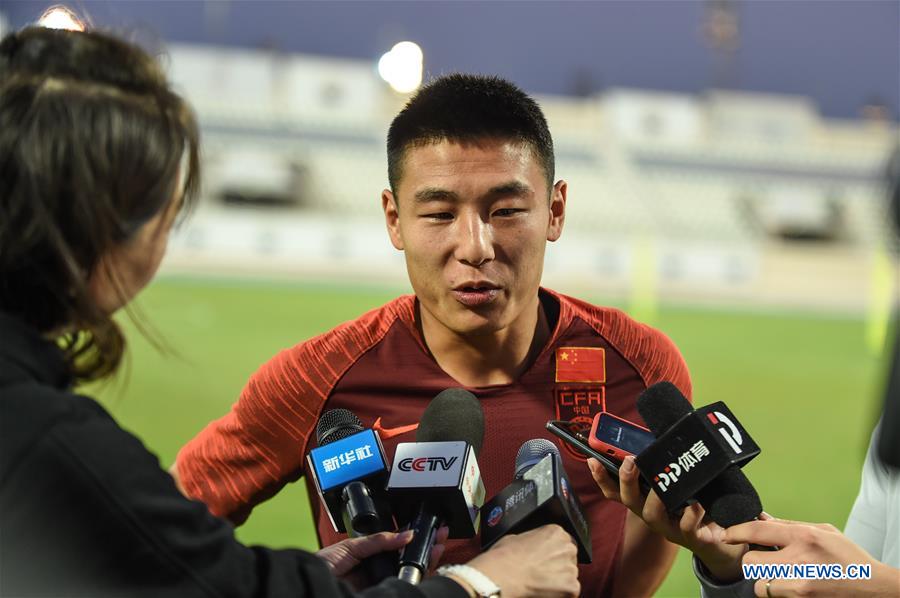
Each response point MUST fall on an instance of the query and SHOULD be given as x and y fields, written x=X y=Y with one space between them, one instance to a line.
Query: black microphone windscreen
x=730 y=498
x=661 y=405
x=531 y=452
x=337 y=424
x=454 y=414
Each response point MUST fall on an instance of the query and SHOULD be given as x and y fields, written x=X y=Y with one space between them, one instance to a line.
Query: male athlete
x=472 y=203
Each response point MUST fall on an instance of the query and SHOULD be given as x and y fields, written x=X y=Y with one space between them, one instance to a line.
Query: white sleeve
x=867 y=522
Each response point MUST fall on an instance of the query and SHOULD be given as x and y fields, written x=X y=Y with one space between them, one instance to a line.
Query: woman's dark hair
x=92 y=145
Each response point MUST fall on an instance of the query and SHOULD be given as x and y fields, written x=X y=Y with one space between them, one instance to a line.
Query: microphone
x=540 y=494
x=435 y=480
x=728 y=497
x=349 y=469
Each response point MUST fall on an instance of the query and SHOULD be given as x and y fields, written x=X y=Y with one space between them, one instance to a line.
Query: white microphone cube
x=443 y=475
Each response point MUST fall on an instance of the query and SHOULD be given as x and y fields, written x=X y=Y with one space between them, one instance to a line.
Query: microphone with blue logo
x=350 y=470
x=435 y=480
x=539 y=495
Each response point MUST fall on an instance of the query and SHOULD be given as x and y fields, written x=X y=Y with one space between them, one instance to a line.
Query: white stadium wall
x=689 y=198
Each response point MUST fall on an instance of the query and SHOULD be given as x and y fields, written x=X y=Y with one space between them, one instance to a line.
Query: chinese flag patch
x=580 y=364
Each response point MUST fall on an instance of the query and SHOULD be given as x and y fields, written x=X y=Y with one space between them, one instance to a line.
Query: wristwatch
x=481 y=583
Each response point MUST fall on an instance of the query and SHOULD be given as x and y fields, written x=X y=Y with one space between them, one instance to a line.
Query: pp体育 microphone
x=728 y=496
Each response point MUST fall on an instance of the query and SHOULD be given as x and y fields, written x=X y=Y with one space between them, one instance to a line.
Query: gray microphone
x=539 y=495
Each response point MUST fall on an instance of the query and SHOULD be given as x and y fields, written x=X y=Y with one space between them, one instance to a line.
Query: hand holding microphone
x=540 y=503
x=345 y=557
x=726 y=500
x=802 y=542
x=693 y=530
x=538 y=563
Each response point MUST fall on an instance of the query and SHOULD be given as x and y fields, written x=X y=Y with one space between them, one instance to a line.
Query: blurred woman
x=98 y=158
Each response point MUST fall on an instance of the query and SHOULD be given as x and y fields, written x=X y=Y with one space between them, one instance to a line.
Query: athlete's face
x=473 y=220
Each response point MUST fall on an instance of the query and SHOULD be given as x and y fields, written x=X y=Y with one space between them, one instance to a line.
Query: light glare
x=401 y=68
x=60 y=17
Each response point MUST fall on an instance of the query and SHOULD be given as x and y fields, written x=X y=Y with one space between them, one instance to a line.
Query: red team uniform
x=379 y=367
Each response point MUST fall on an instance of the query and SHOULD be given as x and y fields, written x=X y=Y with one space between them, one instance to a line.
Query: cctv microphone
x=540 y=494
x=697 y=454
x=436 y=481
x=349 y=469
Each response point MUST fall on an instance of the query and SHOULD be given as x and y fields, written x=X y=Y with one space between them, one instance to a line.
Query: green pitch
x=804 y=385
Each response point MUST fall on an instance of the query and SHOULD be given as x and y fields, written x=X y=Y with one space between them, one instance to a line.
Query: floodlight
x=401 y=68
x=60 y=17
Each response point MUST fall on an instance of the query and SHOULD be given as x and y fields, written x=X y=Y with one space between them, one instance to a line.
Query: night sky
x=841 y=53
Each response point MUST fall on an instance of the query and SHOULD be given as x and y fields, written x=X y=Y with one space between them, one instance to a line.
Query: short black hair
x=462 y=107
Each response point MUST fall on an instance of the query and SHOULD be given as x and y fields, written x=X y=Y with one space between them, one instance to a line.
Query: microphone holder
x=416 y=555
x=361 y=514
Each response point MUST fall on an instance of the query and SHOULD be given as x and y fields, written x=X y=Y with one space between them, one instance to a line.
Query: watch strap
x=481 y=583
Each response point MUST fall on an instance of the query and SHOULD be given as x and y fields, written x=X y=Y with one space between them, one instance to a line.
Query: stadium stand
x=718 y=188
